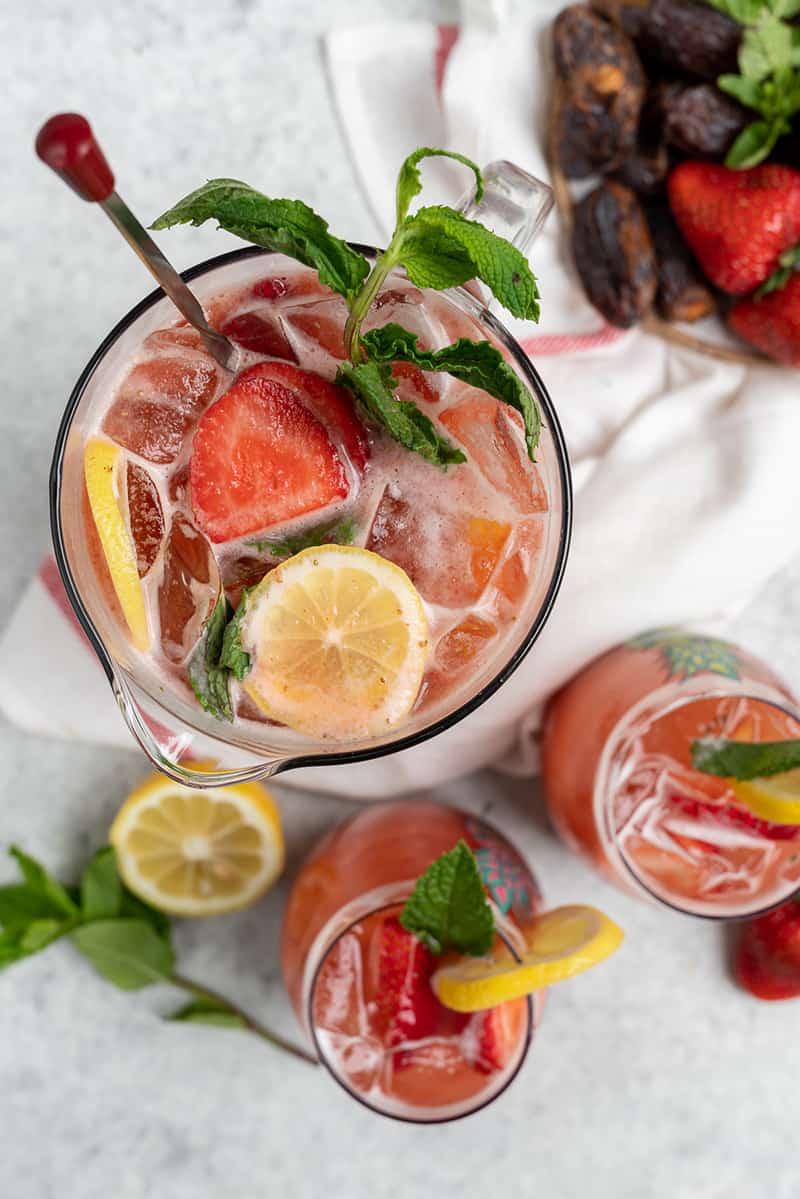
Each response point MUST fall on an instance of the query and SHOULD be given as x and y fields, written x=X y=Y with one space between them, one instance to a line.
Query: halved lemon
x=776 y=798
x=101 y=463
x=563 y=943
x=338 y=640
x=196 y=852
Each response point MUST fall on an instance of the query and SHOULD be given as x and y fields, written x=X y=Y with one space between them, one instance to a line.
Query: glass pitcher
x=175 y=732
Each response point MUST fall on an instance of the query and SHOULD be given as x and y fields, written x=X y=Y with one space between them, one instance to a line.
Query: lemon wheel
x=196 y=852
x=563 y=943
x=776 y=798
x=338 y=640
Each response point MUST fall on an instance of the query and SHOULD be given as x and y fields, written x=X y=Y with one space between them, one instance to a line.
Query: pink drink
x=472 y=538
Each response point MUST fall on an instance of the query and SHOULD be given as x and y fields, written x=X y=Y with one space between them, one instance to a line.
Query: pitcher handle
x=515 y=205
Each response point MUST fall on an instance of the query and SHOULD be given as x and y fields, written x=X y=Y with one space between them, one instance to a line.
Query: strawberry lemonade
x=360 y=983
x=624 y=789
x=199 y=483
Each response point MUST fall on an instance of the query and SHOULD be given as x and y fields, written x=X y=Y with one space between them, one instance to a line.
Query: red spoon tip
x=67 y=145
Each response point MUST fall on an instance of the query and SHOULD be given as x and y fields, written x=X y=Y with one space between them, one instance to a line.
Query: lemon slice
x=338 y=641
x=101 y=471
x=197 y=852
x=563 y=943
x=776 y=798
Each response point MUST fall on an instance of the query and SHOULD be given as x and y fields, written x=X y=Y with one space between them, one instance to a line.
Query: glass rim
x=277 y=765
x=363 y=1099
x=603 y=795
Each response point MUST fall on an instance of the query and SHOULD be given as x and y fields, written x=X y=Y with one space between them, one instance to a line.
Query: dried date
x=682 y=295
x=614 y=254
x=646 y=170
x=701 y=120
x=630 y=15
x=603 y=87
x=691 y=38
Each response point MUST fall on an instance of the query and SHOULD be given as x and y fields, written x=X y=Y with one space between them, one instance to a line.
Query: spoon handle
x=68 y=146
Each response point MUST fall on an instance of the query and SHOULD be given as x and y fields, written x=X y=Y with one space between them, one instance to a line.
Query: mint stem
x=250 y=1024
x=362 y=303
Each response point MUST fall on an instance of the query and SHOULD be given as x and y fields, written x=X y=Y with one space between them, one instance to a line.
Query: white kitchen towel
x=687 y=485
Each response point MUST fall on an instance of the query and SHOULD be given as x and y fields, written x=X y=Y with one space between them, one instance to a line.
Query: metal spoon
x=67 y=145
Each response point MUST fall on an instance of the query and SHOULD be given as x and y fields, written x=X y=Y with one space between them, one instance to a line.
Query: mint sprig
x=788 y=263
x=372 y=385
x=769 y=75
x=333 y=532
x=287 y=226
x=127 y=942
x=437 y=246
x=744 y=760
x=448 y=908
x=207 y=675
x=475 y=362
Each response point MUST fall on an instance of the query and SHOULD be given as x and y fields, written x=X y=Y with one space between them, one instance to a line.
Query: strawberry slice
x=494 y=1035
x=767 y=961
x=732 y=816
x=259 y=334
x=332 y=405
x=260 y=458
x=407 y=1009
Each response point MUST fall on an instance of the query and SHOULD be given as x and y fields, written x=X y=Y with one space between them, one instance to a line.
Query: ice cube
x=460 y=646
x=338 y=1003
x=448 y=555
x=491 y=434
x=159 y=403
x=189 y=589
x=261 y=334
x=317 y=326
x=145 y=517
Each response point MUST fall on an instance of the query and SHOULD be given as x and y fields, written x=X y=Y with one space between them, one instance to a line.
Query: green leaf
x=10 y=949
x=440 y=248
x=128 y=953
x=43 y=883
x=789 y=262
x=132 y=906
x=448 y=908
x=475 y=362
x=206 y=1011
x=101 y=888
x=287 y=226
x=40 y=933
x=335 y=532
x=20 y=905
x=746 y=91
x=744 y=760
x=409 y=183
x=372 y=385
x=233 y=656
x=209 y=681
x=752 y=145
x=746 y=12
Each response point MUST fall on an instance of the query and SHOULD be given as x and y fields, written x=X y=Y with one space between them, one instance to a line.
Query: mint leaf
x=233 y=656
x=207 y=1011
x=39 y=934
x=20 y=905
x=132 y=906
x=475 y=362
x=372 y=385
x=440 y=248
x=746 y=12
x=335 y=532
x=409 y=183
x=752 y=145
x=744 y=760
x=128 y=953
x=101 y=888
x=746 y=91
x=287 y=226
x=43 y=883
x=209 y=681
x=10 y=949
x=448 y=908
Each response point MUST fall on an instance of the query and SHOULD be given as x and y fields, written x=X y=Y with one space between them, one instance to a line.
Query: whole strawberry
x=738 y=223
x=772 y=323
x=767 y=962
